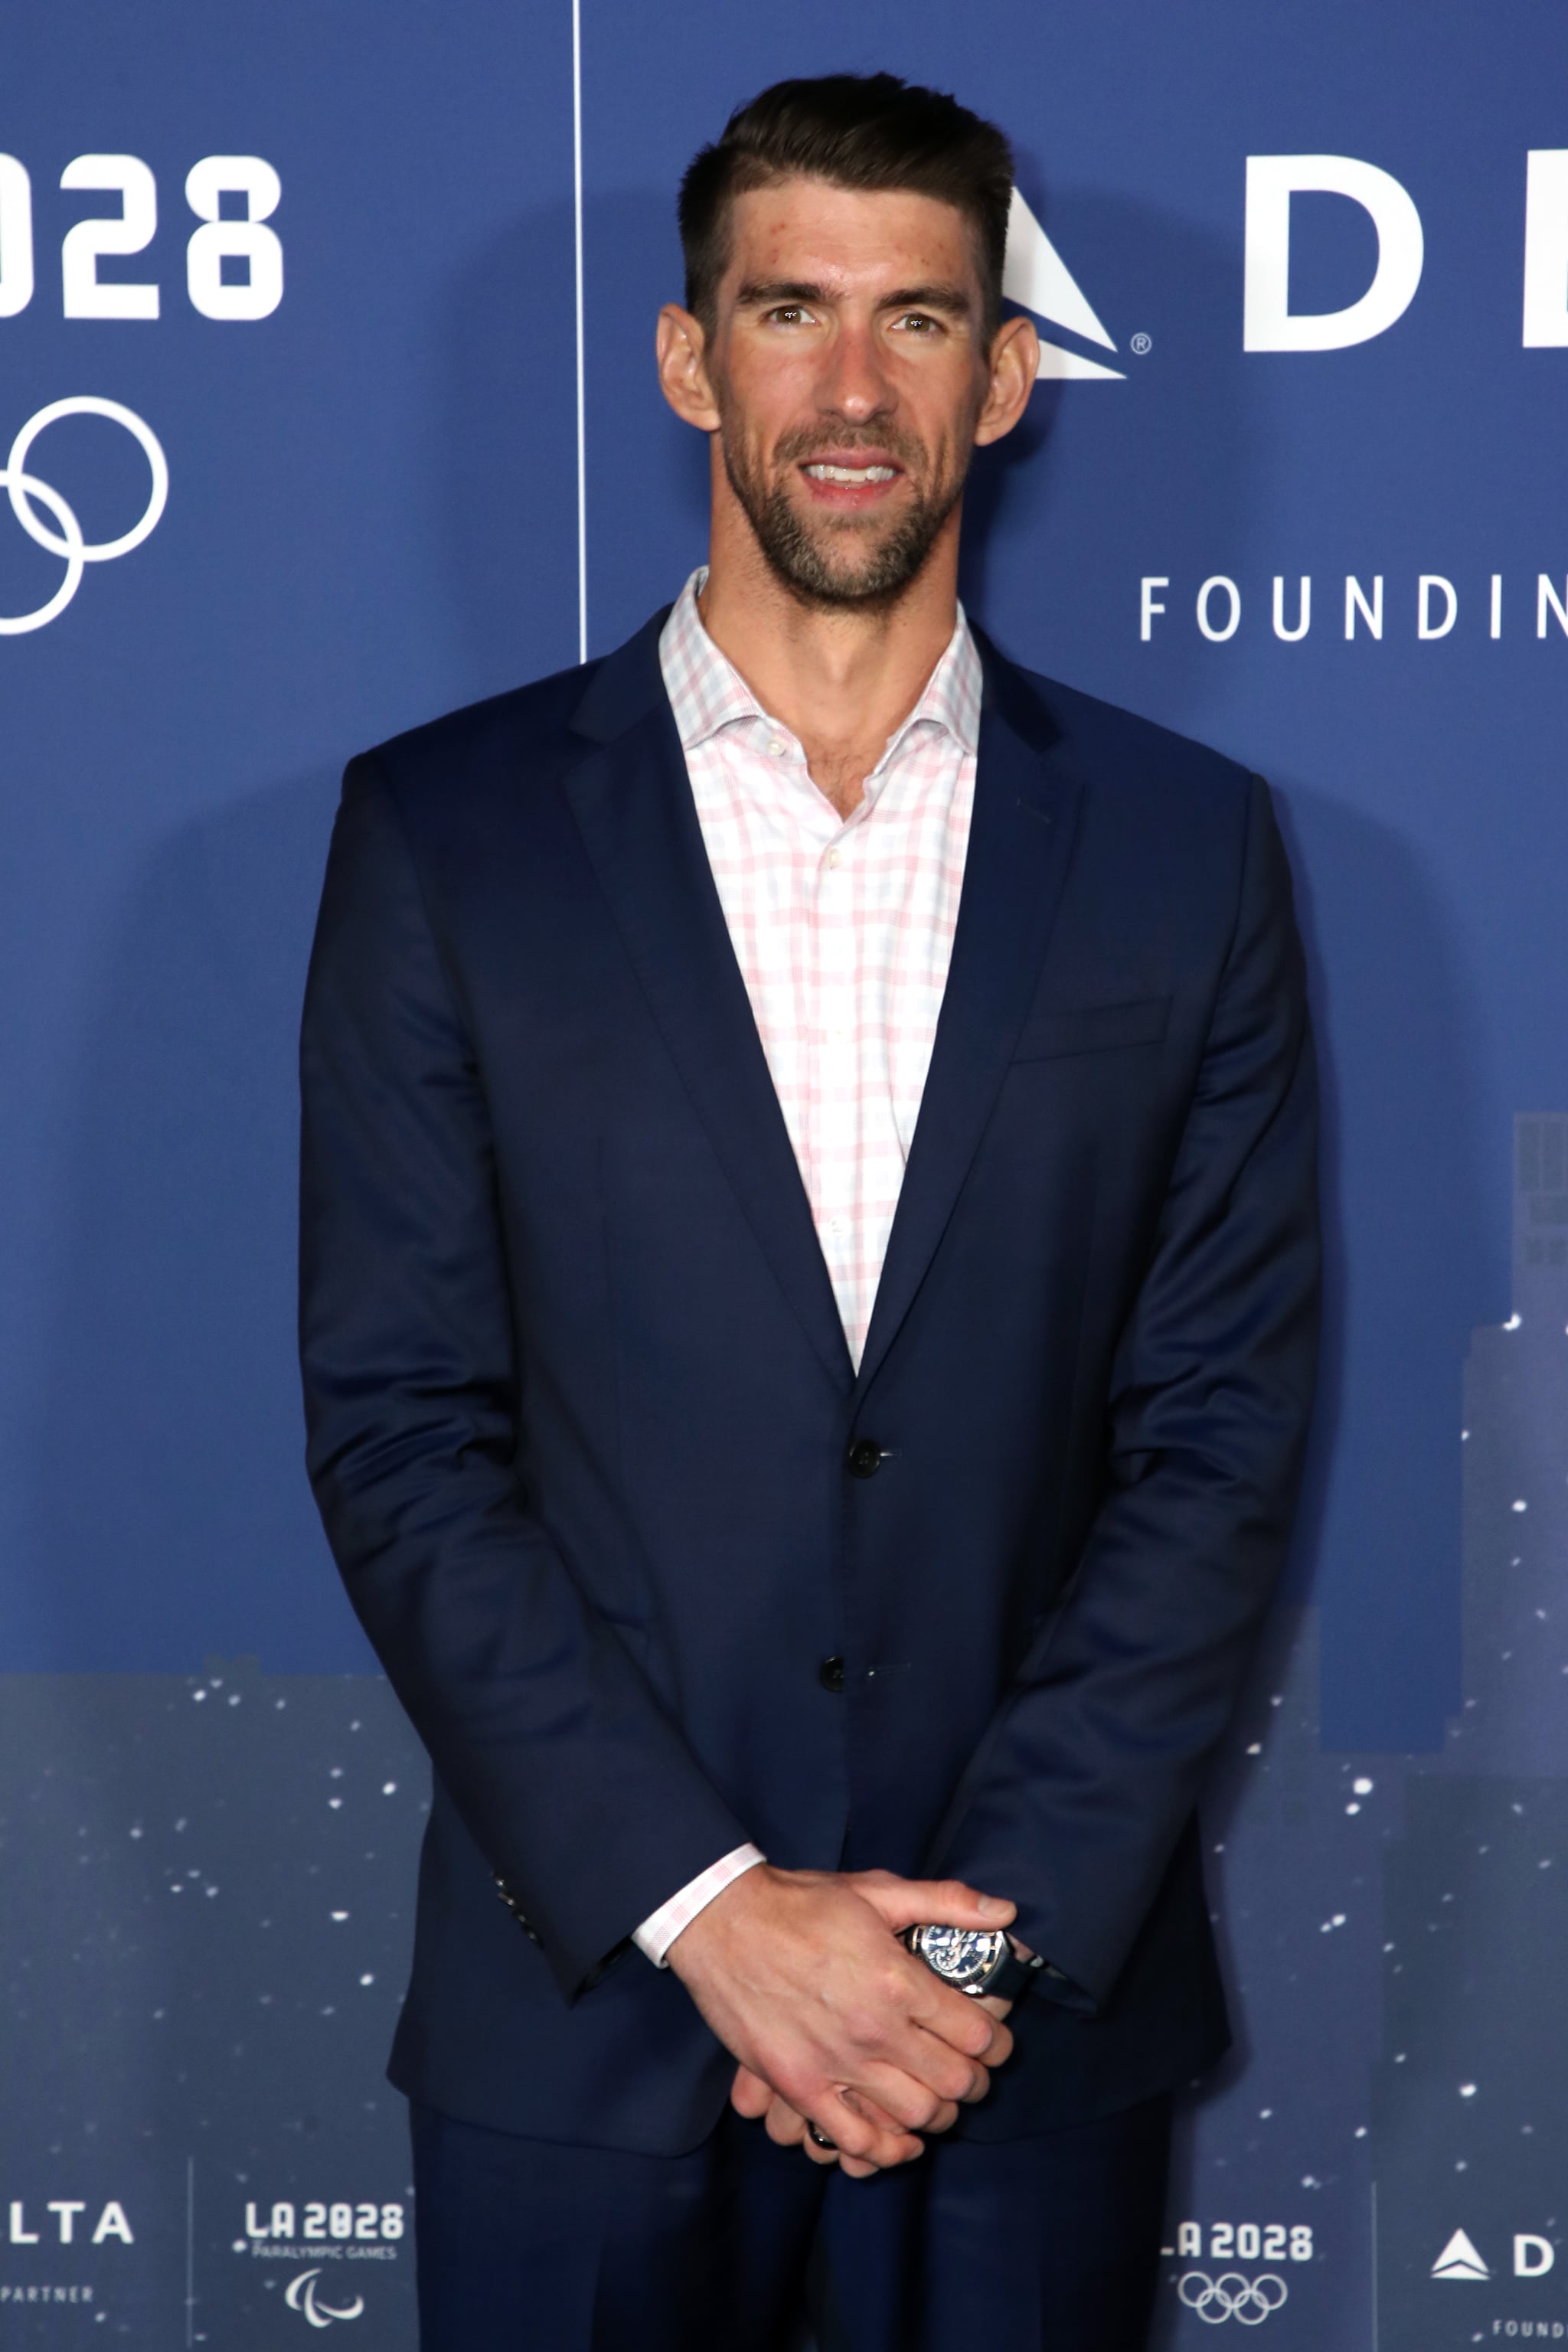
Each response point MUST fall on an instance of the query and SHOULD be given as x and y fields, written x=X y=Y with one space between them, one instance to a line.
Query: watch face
x=962 y=1957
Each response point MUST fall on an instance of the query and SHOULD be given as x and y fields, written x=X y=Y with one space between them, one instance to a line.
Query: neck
x=841 y=679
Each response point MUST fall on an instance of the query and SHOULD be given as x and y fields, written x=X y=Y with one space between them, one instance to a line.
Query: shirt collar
x=707 y=692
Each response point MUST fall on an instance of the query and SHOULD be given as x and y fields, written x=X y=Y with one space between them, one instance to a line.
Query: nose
x=854 y=383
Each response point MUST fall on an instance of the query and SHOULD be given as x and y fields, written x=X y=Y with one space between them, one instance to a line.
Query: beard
x=827 y=565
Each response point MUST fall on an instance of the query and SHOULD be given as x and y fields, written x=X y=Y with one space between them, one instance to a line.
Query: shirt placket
x=837 y=1029
x=795 y=820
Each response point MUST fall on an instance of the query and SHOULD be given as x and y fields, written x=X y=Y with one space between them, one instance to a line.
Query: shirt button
x=864 y=1458
x=776 y=747
x=830 y=1674
x=836 y=1226
x=831 y=859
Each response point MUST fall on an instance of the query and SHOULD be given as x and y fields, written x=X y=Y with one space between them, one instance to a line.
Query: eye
x=788 y=314
x=917 y=323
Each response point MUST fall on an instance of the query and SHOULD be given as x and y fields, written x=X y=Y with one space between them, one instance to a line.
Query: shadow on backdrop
x=169 y=1511
x=1175 y=457
x=503 y=431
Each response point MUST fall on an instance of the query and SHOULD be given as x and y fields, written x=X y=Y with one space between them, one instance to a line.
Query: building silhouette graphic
x=1398 y=1926
x=1471 y=2098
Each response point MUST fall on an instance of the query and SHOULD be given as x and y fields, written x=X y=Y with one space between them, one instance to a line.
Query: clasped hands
x=834 y=2022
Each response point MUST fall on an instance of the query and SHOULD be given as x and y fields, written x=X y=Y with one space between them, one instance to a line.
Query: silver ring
x=821 y=2137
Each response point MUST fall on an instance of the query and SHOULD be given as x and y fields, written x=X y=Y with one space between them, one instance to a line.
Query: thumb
x=903 y=1903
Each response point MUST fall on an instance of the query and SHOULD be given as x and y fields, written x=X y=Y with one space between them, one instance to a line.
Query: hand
x=801 y=1977
x=751 y=2096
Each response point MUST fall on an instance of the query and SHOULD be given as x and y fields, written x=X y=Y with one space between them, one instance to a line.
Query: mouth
x=855 y=476
x=851 y=481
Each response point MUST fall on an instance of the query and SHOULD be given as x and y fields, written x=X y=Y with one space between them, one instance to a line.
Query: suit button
x=864 y=1458
x=830 y=1674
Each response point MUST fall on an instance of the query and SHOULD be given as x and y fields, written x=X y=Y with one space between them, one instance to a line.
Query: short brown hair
x=856 y=131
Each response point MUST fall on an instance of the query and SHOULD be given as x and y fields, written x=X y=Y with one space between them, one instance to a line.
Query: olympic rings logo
x=1232 y=2296
x=23 y=489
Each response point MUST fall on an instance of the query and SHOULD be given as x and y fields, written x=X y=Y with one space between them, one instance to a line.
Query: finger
x=1001 y=2050
x=885 y=2153
x=930 y=2069
x=903 y=1903
x=870 y=2112
x=749 y=2095
x=783 y=2125
x=954 y=2017
x=940 y=2073
x=994 y=2005
x=819 y=2143
x=854 y=2136
x=903 y=2101
x=854 y=2169
x=907 y=2105
x=786 y=2127
x=931 y=2057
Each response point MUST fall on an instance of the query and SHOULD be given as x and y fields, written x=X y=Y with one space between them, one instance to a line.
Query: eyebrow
x=939 y=296
x=761 y=293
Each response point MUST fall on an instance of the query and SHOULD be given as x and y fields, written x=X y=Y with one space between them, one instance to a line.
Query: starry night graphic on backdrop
x=205 y=1935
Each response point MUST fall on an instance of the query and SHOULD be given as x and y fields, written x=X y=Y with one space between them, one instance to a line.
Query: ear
x=682 y=352
x=1015 y=363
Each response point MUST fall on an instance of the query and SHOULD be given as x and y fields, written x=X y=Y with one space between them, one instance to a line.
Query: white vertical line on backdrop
x=190 y=2251
x=581 y=430
x=1375 y=2293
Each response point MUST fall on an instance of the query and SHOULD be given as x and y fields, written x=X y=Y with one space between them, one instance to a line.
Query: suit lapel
x=631 y=801
x=1020 y=840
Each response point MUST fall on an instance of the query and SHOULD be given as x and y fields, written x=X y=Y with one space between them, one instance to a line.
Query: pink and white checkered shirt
x=843 y=930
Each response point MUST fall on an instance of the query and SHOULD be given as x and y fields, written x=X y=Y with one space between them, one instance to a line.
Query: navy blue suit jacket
x=580 y=1406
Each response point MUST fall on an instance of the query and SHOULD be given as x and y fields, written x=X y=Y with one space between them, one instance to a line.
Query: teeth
x=853 y=474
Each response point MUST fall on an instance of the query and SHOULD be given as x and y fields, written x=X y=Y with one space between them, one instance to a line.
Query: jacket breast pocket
x=1093 y=1028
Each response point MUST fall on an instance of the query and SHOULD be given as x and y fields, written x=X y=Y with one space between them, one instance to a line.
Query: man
x=809 y=1281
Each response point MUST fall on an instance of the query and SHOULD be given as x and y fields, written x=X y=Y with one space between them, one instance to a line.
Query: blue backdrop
x=358 y=340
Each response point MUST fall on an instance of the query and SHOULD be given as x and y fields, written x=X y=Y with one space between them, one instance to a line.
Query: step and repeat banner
x=326 y=403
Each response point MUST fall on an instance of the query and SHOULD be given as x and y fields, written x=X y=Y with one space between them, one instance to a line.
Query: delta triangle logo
x=1459 y=2260
x=1037 y=278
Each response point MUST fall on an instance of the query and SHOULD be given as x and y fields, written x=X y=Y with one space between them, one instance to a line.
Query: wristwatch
x=975 y=1960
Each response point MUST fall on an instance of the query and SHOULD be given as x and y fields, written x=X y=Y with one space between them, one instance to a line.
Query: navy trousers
x=1048 y=2245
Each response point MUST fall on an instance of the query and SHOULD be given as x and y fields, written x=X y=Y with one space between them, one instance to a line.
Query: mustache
x=811 y=440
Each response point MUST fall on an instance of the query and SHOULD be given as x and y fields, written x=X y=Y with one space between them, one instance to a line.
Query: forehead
x=852 y=239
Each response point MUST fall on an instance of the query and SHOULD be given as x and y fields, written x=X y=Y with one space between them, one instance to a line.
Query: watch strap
x=1011 y=1976
x=1014 y=1974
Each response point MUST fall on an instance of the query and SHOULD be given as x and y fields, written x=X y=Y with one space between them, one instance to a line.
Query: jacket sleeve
x=1086 y=1775
x=580 y=1792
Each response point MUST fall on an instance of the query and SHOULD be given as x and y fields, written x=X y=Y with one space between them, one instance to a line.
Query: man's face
x=848 y=369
